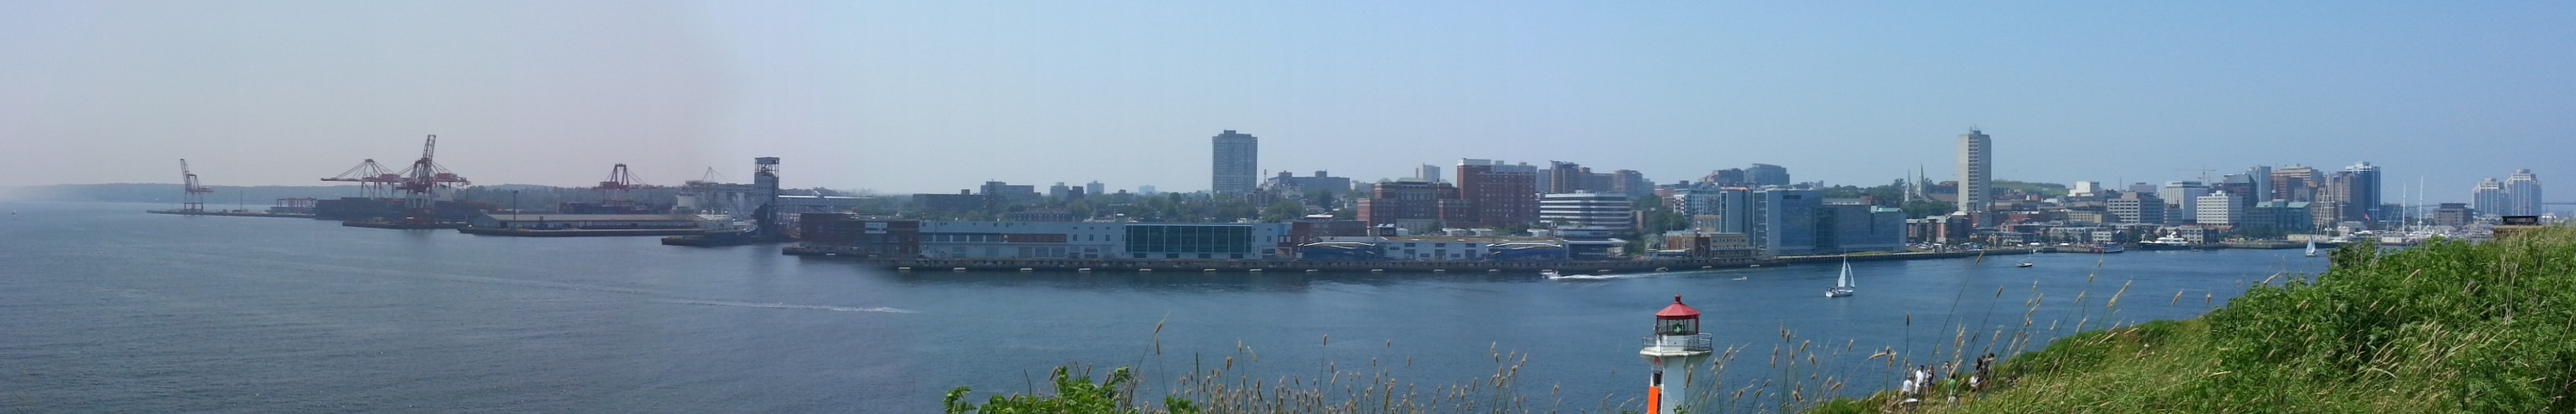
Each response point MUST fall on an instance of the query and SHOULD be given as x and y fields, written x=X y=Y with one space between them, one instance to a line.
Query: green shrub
x=1072 y=396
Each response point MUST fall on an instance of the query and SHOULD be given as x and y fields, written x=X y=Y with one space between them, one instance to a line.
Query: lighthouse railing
x=1692 y=342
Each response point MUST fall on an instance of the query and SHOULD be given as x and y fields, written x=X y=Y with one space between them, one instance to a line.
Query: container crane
x=193 y=197
x=424 y=184
x=374 y=180
x=616 y=190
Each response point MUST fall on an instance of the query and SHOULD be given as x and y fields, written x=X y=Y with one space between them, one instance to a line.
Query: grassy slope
x=2440 y=328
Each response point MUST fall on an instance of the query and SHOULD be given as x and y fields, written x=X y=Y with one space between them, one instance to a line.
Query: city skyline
x=904 y=98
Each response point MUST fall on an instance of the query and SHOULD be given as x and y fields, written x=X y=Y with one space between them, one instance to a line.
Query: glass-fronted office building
x=1200 y=241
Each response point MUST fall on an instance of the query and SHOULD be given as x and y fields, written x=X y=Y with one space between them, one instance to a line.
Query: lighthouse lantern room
x=1679 y=354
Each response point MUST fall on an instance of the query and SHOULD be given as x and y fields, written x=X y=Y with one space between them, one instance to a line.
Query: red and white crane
x=616 y=191
x=424 y=184
x=374 y=180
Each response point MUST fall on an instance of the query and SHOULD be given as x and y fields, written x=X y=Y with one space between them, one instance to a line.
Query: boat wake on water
x=1594 y=277
x=784 y=306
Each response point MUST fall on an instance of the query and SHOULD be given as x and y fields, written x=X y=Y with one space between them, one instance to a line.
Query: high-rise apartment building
x=2524 y=190
x=1095 y=188
x=1564 y=177
x=2489 y=197
x=2517 y=195
x=1237 y=163
x=1632 y=183
x=1497 y=194
x=1976 y=171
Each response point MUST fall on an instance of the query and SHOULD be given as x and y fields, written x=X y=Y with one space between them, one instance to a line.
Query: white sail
x=1846 y=279
x=2312 y=247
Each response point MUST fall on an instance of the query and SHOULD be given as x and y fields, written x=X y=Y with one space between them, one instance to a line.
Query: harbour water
x=106 y=309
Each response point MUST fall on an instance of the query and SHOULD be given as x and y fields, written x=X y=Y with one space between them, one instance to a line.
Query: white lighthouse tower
x=1679 y=354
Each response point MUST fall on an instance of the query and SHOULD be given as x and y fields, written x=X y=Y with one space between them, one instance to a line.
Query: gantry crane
x=374 y=180
x=615 y=192
x=192 y=196
x=424 y=184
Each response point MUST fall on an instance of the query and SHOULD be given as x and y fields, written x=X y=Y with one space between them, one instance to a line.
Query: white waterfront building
x=2217 y=209
x=1587 y=209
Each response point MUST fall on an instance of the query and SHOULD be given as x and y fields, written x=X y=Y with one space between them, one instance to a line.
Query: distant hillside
x=2045 y=189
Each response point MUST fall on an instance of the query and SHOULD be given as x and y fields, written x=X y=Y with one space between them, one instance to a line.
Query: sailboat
x=1842 y=287
x=2312 y=248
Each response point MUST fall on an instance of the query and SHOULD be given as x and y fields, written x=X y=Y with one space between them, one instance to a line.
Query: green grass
x=2445 y=327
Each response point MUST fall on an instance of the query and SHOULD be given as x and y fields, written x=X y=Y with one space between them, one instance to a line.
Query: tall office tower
x=1095 y=188
x=1428 y=172
x=1497 y=194
x=1766 y=174
x=2184 y=196
x=2358 y=188
x=1237 y=166
x=2523 y=188
x=2262 y=177
x=2294 y=183
x=1976 y=171
x=2489 y=198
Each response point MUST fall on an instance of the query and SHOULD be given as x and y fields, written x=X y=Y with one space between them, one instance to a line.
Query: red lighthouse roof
x=1677 y=310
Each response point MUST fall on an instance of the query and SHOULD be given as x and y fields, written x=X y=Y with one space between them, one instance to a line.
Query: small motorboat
x=2023 y=264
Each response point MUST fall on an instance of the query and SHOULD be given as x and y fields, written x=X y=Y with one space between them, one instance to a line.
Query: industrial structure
x=374 y=180
x=424 y=186
x=760 y=199
x=192 y=197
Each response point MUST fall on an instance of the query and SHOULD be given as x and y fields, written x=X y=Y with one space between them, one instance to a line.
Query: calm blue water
x=106 y=309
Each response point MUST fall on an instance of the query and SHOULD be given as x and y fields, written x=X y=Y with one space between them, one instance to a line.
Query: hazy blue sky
x=937 y=96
